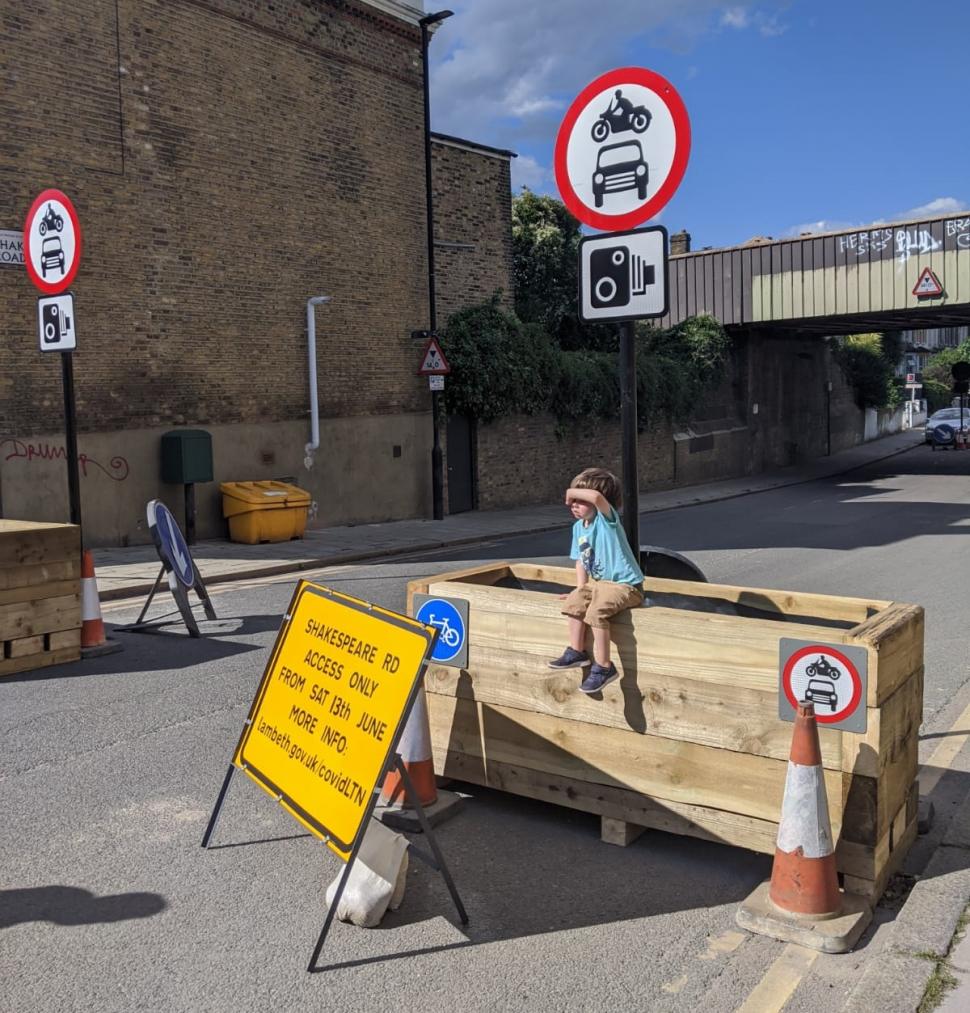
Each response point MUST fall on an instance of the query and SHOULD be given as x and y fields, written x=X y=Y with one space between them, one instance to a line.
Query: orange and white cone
x=414 y=747
x=92 y=626
x=804 y=879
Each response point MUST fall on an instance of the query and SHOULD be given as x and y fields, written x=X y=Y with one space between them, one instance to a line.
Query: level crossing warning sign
x=832 y=677
x=332 y=702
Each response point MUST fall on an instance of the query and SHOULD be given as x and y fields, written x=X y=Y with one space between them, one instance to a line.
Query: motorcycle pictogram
x=620 y=115
x=51 y=220
x=823 y=668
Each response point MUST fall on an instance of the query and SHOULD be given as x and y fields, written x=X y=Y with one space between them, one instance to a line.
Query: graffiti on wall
x=899 y=243
x=20 y=450
x=958 y=229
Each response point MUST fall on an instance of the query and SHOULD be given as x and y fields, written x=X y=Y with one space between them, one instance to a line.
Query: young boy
x=608 y=577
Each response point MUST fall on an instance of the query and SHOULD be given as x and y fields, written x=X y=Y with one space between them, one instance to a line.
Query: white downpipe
x=311 y=332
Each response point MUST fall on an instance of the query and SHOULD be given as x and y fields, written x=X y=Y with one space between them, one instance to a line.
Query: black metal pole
x=70 y=437
x=190 y=513
x=628 y=421
x=437 y=466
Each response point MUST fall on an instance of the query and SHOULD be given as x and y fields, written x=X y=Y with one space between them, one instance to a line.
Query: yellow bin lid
x=243 y=497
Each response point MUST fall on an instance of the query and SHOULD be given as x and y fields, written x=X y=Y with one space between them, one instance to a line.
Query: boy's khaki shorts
x=598 y=600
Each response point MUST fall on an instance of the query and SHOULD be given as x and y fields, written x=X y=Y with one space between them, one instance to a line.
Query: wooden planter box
x=40 y=600
x=688 y=740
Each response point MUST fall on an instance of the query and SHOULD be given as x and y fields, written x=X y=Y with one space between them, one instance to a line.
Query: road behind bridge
x=109 y=769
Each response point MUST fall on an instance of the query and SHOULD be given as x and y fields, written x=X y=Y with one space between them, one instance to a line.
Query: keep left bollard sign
x=330 y=707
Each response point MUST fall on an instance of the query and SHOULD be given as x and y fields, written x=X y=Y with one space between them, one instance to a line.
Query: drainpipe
x=311 y=333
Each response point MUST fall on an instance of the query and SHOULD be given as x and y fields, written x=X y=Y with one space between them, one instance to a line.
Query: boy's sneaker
x=571 y=658
x=598 y=677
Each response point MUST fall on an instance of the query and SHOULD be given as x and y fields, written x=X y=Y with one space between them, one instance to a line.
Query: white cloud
x=823 y=225
x=526 y=171
x=735 y=17
x=933 y=209
x=503 y=71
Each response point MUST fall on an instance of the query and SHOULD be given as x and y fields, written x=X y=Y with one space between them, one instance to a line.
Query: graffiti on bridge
x=13 y=450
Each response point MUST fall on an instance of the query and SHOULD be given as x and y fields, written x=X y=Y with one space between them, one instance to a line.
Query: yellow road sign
x=329 y=709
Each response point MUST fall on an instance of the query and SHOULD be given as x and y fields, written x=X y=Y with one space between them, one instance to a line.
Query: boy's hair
x=603 y=481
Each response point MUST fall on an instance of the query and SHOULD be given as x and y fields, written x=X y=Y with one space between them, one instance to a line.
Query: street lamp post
x=437 y=470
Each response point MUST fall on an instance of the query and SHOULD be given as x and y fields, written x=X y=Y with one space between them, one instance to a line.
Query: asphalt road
x=109 y=770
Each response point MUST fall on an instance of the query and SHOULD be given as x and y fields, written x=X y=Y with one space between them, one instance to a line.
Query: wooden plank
x=720 y=715
x=40 y=573
x=894 y=637
x=24 y=646
x=26 y=543
x=619 y=832
x=892 y=727
x=64 y=638
x=619 y=803
x=867 y=862
x=664 y=770
x=788 y=603
x=13 y=666
x=872 y=890
x=27 y=619
x=37 y=592
x=488 y=573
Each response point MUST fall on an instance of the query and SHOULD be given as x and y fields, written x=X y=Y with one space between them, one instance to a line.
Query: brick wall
x=473 y=224
x=228 y=159
x=530 y=459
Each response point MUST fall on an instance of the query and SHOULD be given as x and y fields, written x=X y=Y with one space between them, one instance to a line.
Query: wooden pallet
x=40 y=602
x=688 y=740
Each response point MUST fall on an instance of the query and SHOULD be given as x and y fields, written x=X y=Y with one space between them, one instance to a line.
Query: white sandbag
x=377 y=879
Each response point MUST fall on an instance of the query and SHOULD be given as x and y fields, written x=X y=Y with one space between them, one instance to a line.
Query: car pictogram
x=620 y=167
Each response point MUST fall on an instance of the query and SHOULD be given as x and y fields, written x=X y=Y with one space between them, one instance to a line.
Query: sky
x=805 y=115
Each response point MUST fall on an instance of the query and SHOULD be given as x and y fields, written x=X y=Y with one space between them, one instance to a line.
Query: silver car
x=949 y=417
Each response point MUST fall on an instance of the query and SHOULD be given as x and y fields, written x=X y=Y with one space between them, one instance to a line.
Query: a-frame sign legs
x=438 y=863
x=214 y=818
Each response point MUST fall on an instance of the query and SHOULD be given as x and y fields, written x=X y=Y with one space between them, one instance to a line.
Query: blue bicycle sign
x=450 y=618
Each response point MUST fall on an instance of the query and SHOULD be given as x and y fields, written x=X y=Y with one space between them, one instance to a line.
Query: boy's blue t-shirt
x=605 y=551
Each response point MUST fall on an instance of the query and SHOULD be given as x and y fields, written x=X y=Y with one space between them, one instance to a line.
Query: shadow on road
x=70 y=905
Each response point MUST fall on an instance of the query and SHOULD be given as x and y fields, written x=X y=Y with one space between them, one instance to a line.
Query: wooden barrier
x=688 y=740
x=40 y=601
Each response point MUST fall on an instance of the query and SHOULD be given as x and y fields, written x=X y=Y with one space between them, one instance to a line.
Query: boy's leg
x=601 y=645
x=577 y=634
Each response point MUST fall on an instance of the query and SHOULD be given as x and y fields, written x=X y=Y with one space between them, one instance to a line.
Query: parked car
x=949 y=417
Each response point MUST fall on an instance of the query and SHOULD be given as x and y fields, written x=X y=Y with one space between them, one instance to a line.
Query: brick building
x=230 y=159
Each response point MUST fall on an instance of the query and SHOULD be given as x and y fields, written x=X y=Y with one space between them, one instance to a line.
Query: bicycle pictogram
x=450 y=637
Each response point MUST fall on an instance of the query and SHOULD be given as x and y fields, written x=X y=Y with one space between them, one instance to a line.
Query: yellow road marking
x=786 y=973
x=944 y=755
x=780 y=981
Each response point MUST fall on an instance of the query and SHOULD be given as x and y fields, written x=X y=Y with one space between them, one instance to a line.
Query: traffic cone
x=394 y=808
x=94 y=643
x=92 y=626
x=802 y=902
x=414 y=748
x=804 y=879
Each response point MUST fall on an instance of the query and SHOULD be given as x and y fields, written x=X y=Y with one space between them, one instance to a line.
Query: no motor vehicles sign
x=830 y=676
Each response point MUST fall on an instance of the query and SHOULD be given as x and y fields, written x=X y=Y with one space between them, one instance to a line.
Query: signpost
x=324 y=725
x=621 y=152
x=435 y=365
x=832 y=677
x=52 y=255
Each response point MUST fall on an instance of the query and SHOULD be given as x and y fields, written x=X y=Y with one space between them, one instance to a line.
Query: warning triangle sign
x=433 y=361
x=928 y=285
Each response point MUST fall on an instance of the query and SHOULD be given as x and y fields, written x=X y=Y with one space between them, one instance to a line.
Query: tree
x=545 y=258
x=869 y=364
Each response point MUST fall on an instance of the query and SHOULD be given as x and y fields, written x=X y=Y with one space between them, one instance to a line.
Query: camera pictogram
x=616 y=275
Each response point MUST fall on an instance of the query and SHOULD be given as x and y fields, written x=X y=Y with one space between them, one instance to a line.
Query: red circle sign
x=622 y=149
x=52 y=242
x=825 y=677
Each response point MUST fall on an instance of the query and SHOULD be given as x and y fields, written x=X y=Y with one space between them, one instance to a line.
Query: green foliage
x=501 y=366
x=868 y=362
x=936 y=373
x=545 y=258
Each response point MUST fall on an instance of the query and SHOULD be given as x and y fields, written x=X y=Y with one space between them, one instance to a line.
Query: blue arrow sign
x=170 y=543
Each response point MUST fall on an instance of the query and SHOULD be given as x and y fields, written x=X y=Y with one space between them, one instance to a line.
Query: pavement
x=927 y=944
